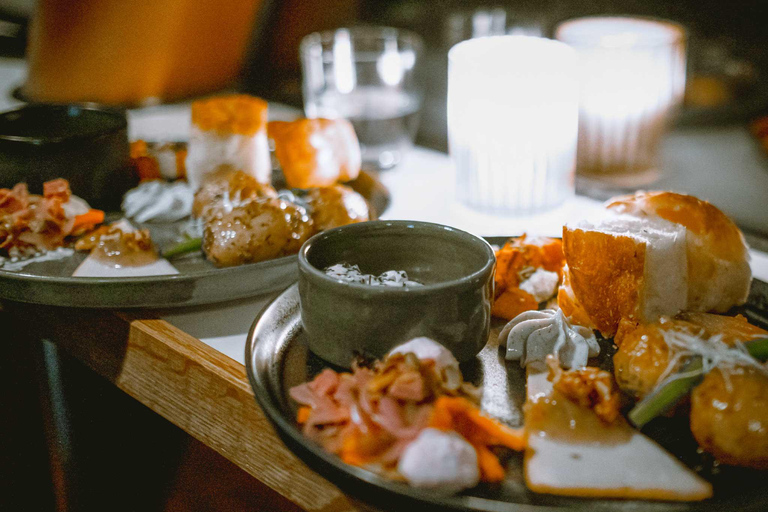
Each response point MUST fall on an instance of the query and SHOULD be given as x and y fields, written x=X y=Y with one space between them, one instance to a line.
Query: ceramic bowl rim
x=472 y=280
x=120 y=123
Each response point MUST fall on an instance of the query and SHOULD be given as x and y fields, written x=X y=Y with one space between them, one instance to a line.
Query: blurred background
x=171 y=50
x=728 y=47
x=727 y=57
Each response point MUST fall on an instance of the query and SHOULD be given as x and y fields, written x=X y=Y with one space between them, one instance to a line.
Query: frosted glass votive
x=512 y=122
x=632 y=73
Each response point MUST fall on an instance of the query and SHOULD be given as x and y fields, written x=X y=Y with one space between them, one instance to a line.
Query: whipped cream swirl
x=533 y=335
x=158 y=201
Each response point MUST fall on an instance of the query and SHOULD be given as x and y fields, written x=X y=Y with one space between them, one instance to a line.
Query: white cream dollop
x=542 y=284
x=533 y=335
x=158 y=201
x=427 y=348
x=441 y=461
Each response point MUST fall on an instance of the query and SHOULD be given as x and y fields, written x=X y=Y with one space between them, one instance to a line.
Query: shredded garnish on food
x=370 y=416
x=713 y=352
x=589 y=387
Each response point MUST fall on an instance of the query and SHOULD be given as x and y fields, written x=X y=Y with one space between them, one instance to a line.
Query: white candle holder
x=632 y=74
x=512 y=122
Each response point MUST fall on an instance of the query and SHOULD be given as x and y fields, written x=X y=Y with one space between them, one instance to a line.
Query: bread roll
x=652 y=254
x=718 y=257
x=625 y=267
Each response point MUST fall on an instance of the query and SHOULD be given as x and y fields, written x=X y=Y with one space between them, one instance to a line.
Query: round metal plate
x=198 y=281
x=277 y=358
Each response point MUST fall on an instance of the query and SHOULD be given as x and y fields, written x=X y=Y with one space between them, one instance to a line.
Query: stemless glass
x=632 y=73
x=366 y=75
x=512 y=122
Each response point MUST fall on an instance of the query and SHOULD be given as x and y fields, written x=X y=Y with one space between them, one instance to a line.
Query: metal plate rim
x=350 y=478
x=102 y=292
x=315 y=457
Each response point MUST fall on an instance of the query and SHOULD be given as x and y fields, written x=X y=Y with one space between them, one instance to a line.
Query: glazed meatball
x=642 y=357
x=729 y=416
x=255 y=231
x=226 y=187
x=643 y=354
x=335 y=206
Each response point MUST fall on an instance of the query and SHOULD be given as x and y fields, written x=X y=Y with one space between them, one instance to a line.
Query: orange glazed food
x=528 y=271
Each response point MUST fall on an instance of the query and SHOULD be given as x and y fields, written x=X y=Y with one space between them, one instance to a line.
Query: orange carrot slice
x=361 y=448
x=303 y=415
x=460 y=415
x=497 y=433
x=491 y=469
x=88 y=220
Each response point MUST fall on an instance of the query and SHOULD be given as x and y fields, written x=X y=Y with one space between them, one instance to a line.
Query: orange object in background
x=516 y=257
x=138 y=51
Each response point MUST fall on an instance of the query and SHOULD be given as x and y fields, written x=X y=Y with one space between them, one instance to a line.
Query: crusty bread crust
x=605 y=272
x=571 y=307
x=718 y=257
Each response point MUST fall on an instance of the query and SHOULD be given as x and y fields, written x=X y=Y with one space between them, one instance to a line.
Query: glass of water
x=366 y=75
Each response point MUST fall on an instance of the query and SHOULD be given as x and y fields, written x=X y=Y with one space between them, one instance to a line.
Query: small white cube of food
x=427 y=348
x=442 y=461
x=316 y=152
x=542 y=284
x=229 y=130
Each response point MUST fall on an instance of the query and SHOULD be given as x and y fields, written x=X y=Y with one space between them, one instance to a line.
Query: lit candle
x=512 y=122
x=632 y=73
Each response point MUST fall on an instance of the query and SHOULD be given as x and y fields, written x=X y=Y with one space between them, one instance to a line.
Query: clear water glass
x=512 y=123
x=368 y=76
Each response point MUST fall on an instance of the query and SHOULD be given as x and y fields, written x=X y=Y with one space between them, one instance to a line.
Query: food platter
x=198 y=281
x=277 y=358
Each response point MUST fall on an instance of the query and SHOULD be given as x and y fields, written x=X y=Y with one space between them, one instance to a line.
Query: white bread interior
x=663 y=289
x=666 y=268
x=718 y=256
x=208 y=150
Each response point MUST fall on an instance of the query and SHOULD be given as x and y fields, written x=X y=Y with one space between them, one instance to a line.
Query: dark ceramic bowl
x=86 y=145
x=345 y=320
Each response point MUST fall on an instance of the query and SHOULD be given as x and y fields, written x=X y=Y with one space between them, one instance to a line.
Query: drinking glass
x=512 y=122
x=632 y=73
x=366 y=75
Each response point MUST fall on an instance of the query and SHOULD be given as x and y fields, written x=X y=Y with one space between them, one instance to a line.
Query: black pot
x=86 y=145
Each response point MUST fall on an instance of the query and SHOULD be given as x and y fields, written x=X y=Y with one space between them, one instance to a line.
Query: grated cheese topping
x=713 y=352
